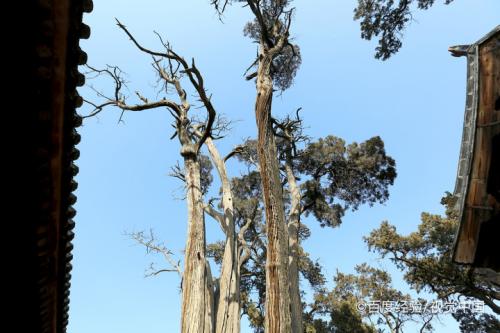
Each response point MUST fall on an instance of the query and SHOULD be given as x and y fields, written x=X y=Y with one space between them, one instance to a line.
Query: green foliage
x=424 y=256
x=367 y=285
x=247 y=194
x=343 y=177
x=311 y=271
x=216 y=251
x=206 y=167
x=269 y=23
x=285 y=65
x=473 y=323
x=387 y=19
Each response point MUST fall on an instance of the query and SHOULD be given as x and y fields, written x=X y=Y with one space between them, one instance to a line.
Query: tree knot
x=188 y=151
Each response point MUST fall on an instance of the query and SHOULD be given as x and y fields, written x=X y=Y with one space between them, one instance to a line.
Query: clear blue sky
x=414 y=101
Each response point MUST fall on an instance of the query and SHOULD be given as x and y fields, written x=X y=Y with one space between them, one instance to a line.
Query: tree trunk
x=228 y=302
x=196 y=301
x=277 y=316
x=210 y=310
x=293 y=244
x=228 y=308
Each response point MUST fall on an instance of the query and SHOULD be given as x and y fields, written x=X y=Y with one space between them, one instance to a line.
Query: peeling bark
x=196 y=302
x=277 y=318
x=293 y=244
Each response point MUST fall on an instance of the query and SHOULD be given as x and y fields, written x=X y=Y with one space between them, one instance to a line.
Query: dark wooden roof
x=476 y=167
x=47 y=60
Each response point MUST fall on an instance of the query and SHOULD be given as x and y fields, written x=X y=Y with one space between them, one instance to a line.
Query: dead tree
x=235 y=253
x=197 y=286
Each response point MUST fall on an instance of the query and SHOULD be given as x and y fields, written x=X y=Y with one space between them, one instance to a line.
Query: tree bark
x=210 y=310
x=293 y=256
x=196 y=302
x=228 y=302
x=277 y=316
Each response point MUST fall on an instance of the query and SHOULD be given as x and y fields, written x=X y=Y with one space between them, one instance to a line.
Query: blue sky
x=414 y=101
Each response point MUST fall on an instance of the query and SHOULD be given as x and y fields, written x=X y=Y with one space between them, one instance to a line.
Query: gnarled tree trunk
x=277 y=316
x=197 y=288
x=228 y=302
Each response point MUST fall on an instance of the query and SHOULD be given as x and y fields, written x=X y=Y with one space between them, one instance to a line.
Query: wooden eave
x=45 y=227
x=474 y=204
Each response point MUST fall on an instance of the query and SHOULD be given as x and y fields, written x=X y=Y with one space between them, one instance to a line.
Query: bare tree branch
x=216 y=215
x=236 y=150
x=119 y=101
x=264 y=29
x=139 y=46
x=153 y=246
x=177 y=172
x=179 y=110
x=251 y=76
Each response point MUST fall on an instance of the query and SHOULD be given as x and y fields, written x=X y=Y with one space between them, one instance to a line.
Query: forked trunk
x=228 y=302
